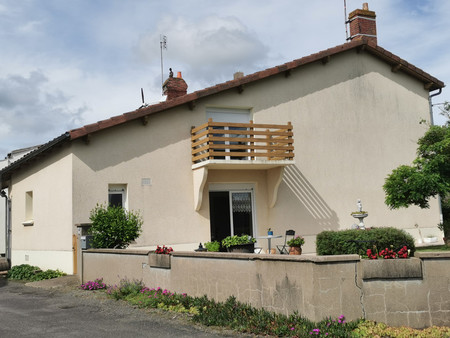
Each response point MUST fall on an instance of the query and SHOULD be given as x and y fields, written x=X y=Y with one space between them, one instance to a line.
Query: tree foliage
x=428 y=176
x=114 y=227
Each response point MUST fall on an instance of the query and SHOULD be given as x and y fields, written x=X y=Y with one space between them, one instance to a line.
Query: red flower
x=164 y=250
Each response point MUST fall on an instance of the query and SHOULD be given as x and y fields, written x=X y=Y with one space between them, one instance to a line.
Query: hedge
x=357 y=241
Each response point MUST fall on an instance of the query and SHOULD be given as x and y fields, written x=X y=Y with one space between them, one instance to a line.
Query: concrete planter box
x=391 y=268
x=159 y=261
x=242 y=248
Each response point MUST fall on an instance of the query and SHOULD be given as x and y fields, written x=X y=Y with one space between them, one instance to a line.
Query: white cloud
x=31 y=113
x=212 y=49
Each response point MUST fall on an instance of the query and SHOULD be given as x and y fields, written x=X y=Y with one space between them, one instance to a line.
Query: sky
x=65 y=64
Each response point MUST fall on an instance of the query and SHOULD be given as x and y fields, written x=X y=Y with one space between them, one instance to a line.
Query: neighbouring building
x=289 y=147
x=11 y=157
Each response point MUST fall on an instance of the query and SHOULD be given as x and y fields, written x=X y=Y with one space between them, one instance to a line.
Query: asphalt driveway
x=48 y=311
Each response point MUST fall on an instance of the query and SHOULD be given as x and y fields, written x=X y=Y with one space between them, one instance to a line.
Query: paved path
x=27 y=311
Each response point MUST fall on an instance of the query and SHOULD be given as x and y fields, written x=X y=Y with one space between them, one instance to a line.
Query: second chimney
x=174 y=86
x=363 y=24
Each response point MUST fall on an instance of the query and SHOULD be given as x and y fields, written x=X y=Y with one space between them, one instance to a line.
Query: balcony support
x=274 y=177
x=200 y=176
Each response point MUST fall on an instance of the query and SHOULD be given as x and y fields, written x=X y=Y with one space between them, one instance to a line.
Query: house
x=314 y=135
x=11 y=157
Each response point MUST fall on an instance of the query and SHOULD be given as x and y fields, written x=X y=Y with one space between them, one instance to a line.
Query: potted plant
x=160 y=258
x=213 y=246
x=269 y=232
x=295 y=245
x=241 y=244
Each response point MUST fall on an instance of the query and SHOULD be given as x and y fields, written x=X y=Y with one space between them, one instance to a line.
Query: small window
x=117 y=195
x=29 y=218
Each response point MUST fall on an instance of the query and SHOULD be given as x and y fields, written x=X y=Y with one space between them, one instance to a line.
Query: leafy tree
x=114 y=227
x=429 y=174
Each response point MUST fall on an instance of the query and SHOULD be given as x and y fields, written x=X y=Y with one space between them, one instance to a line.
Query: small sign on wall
x=146 y=181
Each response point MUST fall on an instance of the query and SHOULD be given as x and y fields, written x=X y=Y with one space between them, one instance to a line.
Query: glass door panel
x=241 y=211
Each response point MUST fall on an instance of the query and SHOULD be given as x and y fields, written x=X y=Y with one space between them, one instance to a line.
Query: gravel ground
x=59 y=308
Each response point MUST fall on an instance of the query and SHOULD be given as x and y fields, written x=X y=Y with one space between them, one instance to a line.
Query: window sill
x=28 y=223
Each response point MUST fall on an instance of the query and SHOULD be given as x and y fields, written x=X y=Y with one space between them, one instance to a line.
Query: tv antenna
x=162 y=45
x=345 y=20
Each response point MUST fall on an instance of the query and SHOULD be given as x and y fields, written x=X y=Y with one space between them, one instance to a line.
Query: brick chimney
x=174 y=86
x=363 y=24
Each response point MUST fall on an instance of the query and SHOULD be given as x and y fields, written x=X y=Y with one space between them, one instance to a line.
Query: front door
x=231 y=213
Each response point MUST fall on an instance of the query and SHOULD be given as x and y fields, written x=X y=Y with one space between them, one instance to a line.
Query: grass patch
x=244 y=318
x=433 y=248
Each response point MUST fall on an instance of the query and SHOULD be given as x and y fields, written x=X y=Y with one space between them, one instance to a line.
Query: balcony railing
x=242 y=141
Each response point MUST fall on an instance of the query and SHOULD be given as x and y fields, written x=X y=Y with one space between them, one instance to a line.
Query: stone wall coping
x=266 y=257
x=119 y=251
x=432 y=254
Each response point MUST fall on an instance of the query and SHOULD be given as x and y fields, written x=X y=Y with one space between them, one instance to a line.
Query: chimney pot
x=179 y=75
x=365 y=6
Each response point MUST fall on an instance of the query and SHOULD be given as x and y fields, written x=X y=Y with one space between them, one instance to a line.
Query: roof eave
x=5 y=173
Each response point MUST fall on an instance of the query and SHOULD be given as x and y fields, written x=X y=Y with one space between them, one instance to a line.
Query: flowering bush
x=387 y=253
x=403 y=252
x=94 y=285
x=125 y=288
x=164 y=250
x=297 y=241
x=372 y=255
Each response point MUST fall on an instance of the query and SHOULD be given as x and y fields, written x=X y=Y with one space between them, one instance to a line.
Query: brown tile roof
x=430 y=82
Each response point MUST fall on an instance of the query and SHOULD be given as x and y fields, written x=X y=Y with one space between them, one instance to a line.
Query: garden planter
x=295 y=250
x=242 y=248
x=391 y=268
x=159 y=261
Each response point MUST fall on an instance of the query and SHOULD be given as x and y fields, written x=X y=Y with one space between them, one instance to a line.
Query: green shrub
x=346 y=242
x=23 y=272
x=237 y=240
x=125 y=288
x=212 y=246
x=114 y=227
x=32 y=273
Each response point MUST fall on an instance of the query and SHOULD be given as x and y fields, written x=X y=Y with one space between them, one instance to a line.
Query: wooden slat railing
x=220 y=140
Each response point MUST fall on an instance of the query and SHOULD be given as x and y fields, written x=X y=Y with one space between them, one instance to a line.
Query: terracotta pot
x=295 y=250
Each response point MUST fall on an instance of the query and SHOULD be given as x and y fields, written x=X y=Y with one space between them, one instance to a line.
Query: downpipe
x=7 y=227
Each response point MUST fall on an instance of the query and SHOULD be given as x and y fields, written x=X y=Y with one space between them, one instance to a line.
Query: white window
x=117 y=195
x=29 y=217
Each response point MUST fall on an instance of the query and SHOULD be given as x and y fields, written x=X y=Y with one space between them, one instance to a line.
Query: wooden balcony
x=241 y=146
x=257 y=143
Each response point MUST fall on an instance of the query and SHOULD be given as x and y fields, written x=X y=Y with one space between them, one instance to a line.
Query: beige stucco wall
x=48 y=242
x=403 y=292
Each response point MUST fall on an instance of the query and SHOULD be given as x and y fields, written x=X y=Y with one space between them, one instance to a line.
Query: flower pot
x=242 y=248
x=269 y=233
x=295 y=250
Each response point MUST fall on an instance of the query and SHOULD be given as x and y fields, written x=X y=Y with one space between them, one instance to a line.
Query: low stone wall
x=413 y=292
